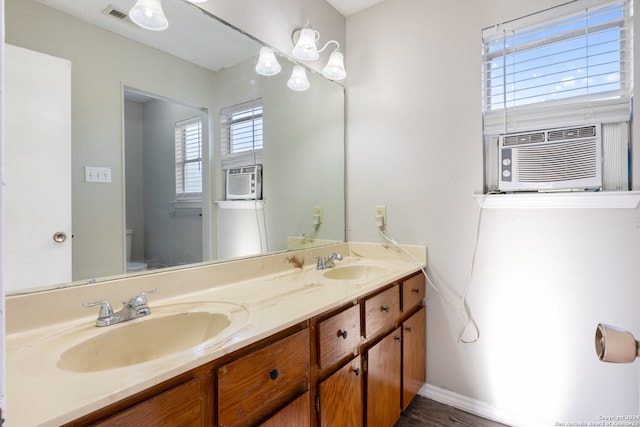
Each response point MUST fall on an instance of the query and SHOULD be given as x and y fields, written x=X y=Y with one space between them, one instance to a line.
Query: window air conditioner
x=562 y=159
x=244 y=183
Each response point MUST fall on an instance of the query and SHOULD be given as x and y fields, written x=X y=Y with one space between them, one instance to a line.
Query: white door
x=38 y=169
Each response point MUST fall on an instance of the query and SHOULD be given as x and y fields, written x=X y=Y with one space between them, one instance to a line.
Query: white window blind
x=189 y=158
x=567 y=65
x=242 y=136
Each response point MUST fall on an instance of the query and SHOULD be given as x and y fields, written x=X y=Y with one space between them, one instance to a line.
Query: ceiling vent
x=113 y=11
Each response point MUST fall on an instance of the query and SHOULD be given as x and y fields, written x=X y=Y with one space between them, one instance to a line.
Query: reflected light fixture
x=306 y=49
x=268 y=64
x=148 y=14
x=616 y=345
x=298 y=80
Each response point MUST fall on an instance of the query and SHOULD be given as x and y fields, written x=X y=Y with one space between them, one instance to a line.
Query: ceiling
x=192 y=35
x=349 y=7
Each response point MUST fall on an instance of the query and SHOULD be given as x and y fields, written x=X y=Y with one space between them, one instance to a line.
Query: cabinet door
x=295 y=414
x=257 y=385
x=414 y=359
x=182 y=406
x=383 y=381
x=340 y=397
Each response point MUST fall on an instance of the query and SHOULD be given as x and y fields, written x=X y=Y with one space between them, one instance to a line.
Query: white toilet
x=132 y=266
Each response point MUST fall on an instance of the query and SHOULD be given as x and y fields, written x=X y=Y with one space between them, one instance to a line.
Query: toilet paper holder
x=615 y=345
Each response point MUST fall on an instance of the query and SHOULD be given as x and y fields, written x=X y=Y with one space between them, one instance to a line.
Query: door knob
x=59 y=237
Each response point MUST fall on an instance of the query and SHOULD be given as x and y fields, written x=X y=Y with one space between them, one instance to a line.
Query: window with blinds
x=242 y=136
x=567 y=65
x=189 y=159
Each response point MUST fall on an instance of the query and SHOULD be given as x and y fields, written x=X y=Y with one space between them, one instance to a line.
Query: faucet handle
x=320 y=263
x=105 y=308
x=140 y=300
x=336 y=256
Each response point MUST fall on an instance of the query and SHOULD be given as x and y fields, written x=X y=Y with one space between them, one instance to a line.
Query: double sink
x=177 y=328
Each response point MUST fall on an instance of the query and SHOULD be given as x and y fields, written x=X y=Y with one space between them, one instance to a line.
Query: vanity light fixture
x=298 y=80
x=148 y=14
x=267 y=64
x=306 y=49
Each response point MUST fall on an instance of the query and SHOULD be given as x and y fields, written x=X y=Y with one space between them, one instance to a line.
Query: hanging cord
x=462 y=307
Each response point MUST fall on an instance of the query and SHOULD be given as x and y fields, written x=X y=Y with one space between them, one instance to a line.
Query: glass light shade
x=298 y=80
x=267 y=64
x=148 y=14
x=306 y=48
x=334 y=69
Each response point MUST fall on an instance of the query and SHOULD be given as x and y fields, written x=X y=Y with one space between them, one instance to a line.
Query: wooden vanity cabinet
x=339 y=399
x=414 y=350
x=181 y=406
x=394 y=351
x=383 y=380
x=295 y=414
x=338 y=337
x=255 y=386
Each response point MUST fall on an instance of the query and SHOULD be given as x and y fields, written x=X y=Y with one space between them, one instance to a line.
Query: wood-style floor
x=427 y=412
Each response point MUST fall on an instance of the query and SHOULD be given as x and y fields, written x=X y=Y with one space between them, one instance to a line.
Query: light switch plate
x=97 y=174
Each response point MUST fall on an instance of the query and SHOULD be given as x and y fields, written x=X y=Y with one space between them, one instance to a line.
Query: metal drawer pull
x=416 y=290
x=398 y=339
x=409 y=328
x=356 y=371
x=385 y=308
x=273 y=374
x=342 y=333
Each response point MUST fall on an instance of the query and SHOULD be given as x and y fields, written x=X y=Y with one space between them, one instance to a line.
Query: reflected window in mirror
x=189 y=160
x=242 y=134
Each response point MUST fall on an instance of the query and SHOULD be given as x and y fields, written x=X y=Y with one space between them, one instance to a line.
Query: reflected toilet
x=131 y=265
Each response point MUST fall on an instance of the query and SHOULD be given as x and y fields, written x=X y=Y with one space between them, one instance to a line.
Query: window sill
x=586 y=200
x=240 y=204
x=187 y=204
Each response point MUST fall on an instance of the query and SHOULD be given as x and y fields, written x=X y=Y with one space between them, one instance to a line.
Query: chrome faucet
x=329 y=262
x=132 y=309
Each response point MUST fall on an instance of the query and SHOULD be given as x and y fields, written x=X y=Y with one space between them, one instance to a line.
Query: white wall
x=2 y=223
x=543 y=279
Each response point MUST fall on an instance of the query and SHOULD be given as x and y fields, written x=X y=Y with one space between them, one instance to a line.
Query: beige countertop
x=273 y=296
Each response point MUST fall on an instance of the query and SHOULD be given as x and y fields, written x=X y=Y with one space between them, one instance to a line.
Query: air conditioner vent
x=572 y=133
x=558 y=162
x=523 y=138
x=112 y=10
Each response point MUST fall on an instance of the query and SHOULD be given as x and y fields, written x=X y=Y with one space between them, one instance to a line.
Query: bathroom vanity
x=342 y=346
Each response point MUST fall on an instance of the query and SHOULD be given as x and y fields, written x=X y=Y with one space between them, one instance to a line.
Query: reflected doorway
x=164 y=225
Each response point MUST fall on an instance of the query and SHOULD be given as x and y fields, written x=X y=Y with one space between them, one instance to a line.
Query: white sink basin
x=356 y=272
x=143 y=340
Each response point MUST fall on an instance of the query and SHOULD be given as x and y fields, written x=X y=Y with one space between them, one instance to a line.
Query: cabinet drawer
x=180 y=406
x=412 y=292
x=338 y=336
x=256 y=385
x=381 y=311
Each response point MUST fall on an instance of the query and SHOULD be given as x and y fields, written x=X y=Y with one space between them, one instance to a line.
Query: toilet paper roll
x=615 y=345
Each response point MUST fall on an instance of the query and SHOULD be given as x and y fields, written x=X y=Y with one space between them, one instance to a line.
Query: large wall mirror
x=130 y=89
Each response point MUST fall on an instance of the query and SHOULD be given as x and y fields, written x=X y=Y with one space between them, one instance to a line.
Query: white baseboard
x=476 y=407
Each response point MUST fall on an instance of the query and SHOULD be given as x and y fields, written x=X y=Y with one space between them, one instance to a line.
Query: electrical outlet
x=317 y=215
x=381 y=211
